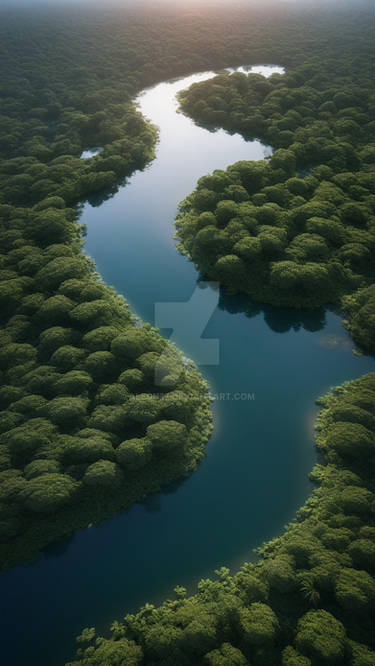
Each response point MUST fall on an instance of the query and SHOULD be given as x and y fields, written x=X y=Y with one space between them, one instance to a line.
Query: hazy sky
x=103 y=3
x=118 y=3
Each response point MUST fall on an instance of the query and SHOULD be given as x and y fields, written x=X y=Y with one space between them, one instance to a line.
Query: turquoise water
x=271 y=367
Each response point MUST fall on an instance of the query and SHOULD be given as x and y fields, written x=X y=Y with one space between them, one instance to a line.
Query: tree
x=104 y=474
x=230 y=269
x=355 y=500
x=225 y=211
x=361 y=310
x=50 y=202
x=332 y=230
x=209 y=243
x=167 y=436
x=309 y=283
x=355 y=591
x=67 y=412
x=101 y=365
x=51 y=226
x=41 y=380
x=280 y=573
x=352 y=414
x=169 y=370
x=205 y=200
x=112 y=394
x=99 y=339
x=352 y=213
x=351 y=440
x=24 y=440
x=356 y=256
x=252 y=588
x=60 y=269
x=308 y=247
x=92 y=314
x=148 y=363
x=284 y=160
x=135 y=342
x=48 y=492
x=133 y=454
x=321 y=637
x=298 y=186
x=55 y=311
x=15 y=353
x=32 y=261
x=109 y=418
x=67 y=357
x=199 y=635
x=39 y=467
x=225 y=655
x=272 y=243
x=9 y=394
x=337 y=539
x=52 y=338
x=176 y=406
x=73 y=288
x=292 y=658
x=143 y=408
x=248 y=248
x=116 y=653
x=361 y=655
x=252 y=175
x=133 y=379
x=362 y=552
x=30 y=405
x=73 y=383
x=236 y=193
x=11 y=292
x=258 y=625
x=206 y=219
x=12 y=485
x=32 y=303
x=76 y=450
x=162 y=643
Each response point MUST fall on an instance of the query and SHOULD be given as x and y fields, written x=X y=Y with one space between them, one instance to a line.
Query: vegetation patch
x=308 y=601
x=297 y=230
x=96 y=413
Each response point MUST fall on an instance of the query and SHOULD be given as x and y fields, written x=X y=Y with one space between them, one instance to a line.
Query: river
x=273 y=364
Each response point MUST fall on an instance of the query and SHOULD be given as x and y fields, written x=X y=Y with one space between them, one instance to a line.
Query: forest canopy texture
x=297 y=230
x=85 y=428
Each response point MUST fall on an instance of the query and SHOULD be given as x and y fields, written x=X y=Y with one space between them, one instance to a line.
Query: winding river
x=273 y=365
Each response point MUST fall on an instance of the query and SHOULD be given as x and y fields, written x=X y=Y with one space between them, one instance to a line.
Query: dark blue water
x=272 y=365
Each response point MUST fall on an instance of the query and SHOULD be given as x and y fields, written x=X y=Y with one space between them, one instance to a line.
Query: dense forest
x=299 y=230
x=98 y=410
x=310 y=600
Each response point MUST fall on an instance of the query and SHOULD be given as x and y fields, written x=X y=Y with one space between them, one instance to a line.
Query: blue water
x=271 y=367
x=91 y=152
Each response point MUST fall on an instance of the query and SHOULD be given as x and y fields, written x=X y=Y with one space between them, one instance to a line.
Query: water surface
x=273 y=365
x=90 y=152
